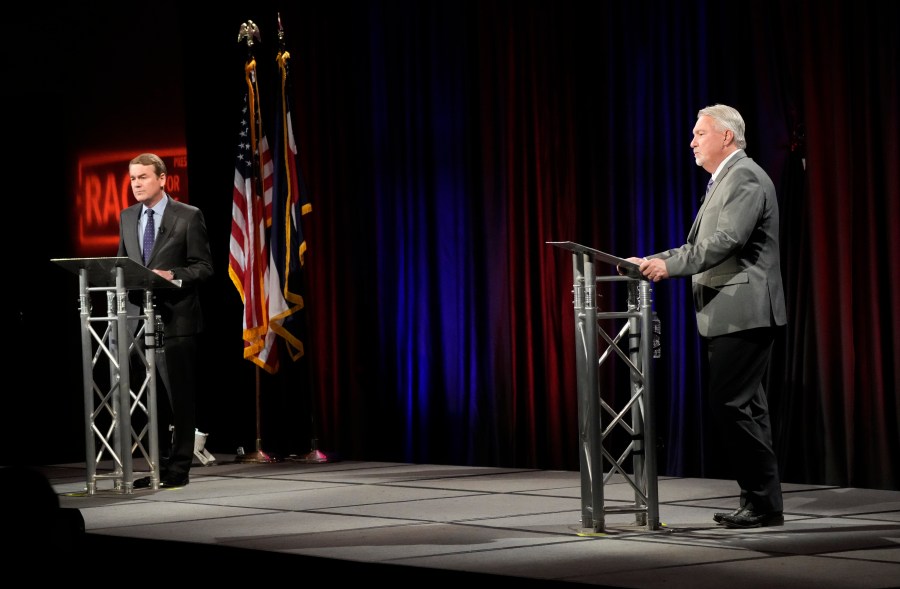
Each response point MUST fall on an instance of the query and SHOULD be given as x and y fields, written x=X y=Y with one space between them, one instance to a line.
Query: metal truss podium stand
x=638 y=332
x=118 y=419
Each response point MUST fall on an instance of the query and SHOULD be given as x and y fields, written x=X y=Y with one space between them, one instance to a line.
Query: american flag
x=248 y=264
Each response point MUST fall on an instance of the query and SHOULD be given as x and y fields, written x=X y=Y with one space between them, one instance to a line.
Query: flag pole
x=248 y=32
x=259 y=456
x=314 y=456
x=291 y=190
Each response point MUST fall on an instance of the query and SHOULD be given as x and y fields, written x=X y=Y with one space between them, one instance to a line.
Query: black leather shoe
x=720 y=515
x=170 y=481
x=143 y=483
x=748 y=518
x=165 y=482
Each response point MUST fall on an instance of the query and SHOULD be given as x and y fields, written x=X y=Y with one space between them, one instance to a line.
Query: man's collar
x=724 y=162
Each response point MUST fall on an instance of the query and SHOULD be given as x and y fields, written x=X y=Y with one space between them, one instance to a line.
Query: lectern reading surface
x=102 y=272
x=630 y=268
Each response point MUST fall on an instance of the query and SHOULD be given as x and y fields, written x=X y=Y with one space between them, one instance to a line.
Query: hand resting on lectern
x=653 y=269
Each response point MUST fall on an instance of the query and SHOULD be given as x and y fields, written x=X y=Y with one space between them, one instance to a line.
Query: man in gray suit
x=733 y=259
x=170 y=238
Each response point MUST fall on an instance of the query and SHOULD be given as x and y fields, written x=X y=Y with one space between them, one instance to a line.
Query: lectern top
x=630 y=268
x=102 y=272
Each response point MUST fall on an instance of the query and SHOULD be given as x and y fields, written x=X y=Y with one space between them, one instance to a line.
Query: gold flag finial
x=280 y=33
x=249 y=32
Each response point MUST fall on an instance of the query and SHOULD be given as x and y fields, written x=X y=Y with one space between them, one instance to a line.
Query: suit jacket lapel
x=692 y=234
x=130 y=219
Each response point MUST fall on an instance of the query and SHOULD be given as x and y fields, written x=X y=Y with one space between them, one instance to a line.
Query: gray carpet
x=427 y=523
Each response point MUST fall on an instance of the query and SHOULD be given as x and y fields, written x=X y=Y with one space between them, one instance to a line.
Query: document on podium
x=628 y=268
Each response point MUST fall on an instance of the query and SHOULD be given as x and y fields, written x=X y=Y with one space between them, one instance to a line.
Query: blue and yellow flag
x=290 y=202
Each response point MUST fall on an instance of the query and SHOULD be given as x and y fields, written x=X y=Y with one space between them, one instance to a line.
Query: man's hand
x=167 y=274
x=636 y=261
x=654 y=269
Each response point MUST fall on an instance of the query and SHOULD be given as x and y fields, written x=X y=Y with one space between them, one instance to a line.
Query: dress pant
x=176 y=401
x=737 y=364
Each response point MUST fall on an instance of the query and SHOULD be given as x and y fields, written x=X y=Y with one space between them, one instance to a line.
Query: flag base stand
x=314 y=456
x=256 y=457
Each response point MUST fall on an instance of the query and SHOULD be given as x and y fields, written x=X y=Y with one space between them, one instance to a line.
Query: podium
x=120 y=420
x=634 y=344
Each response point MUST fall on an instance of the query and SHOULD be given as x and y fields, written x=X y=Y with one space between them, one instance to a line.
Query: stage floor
x=392 y=522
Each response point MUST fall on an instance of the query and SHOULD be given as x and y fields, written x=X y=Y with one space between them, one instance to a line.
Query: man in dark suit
x=178 y=250
x=733 y=257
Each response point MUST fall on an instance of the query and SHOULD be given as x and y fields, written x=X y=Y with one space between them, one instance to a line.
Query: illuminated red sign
x=104 y=189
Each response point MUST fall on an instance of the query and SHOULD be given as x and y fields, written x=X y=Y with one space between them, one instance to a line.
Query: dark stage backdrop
x=444 y=143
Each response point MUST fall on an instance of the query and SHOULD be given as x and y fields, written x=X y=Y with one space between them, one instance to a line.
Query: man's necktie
x=708 y=188
x=149 y=235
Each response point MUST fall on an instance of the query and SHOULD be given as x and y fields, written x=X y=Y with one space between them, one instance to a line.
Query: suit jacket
x=732 y=253
x=181 y=245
